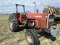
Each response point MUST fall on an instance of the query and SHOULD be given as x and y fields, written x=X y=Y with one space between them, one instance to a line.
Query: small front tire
x=31 y=37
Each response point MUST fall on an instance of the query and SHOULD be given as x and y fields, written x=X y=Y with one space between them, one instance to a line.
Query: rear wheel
x=31 y=37
x=13 y=23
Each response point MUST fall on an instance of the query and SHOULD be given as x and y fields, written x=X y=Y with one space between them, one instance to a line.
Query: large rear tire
x=31 y=37
x=13 y=23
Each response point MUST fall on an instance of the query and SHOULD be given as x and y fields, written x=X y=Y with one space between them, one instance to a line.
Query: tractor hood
x=36 y=15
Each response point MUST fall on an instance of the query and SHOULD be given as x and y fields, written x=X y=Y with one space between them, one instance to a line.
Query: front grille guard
x=48 y=21
x=53 y=29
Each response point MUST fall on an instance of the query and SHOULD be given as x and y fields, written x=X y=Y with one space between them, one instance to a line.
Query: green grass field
x=6 y=34
x=14 y=38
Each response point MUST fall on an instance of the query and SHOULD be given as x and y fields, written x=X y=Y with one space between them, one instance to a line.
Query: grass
x=5 y=33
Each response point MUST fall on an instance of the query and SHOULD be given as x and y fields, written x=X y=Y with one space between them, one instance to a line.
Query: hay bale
x=51 y=10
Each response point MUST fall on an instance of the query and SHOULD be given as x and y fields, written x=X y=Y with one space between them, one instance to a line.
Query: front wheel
x=31 y=37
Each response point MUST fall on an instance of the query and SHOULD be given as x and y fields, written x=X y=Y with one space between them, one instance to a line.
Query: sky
x=8 y=6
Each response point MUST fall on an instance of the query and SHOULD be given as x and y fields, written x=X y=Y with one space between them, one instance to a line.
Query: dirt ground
x=18 y=38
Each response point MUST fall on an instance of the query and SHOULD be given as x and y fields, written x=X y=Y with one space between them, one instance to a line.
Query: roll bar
x=20 y=5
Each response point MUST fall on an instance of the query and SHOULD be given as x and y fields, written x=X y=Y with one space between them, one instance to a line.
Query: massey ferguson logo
x=41 y=16
x=38 y=16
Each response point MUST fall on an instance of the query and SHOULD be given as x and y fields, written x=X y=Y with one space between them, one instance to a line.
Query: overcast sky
x=8 y=6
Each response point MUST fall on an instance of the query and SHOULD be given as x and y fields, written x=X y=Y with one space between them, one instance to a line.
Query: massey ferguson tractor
x=34 y=23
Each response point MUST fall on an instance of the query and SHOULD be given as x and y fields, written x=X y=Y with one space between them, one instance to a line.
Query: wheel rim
x=11 y=23
x=29 y=38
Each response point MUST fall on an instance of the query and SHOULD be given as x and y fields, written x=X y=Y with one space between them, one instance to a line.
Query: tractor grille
x=40 y=23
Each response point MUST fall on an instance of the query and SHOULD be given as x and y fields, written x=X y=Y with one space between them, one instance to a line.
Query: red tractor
x=34 y=23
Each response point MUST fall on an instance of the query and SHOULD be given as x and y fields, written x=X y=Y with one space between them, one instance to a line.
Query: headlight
x=31 y=24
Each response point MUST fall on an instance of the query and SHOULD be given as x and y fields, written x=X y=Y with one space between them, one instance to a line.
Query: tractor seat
x=23 y=15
